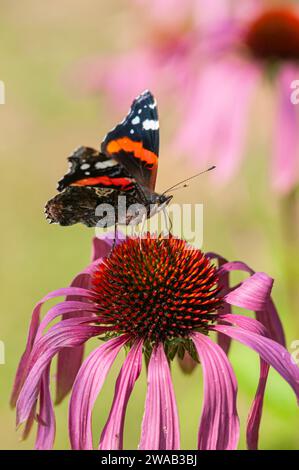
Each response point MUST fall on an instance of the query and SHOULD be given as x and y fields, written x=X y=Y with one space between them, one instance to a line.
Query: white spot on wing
x=105 y=164
x=136 y=120
x=153 y=105
x=150 y=125
x=85 y=166
x=132 y=131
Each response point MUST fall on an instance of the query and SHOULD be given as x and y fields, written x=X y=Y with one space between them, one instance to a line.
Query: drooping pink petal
x=269 y=315
x=219 y=424
x=70 y=359
x=87 y=386
x=246 y=323
x=46 y=417
x=100 y=248
x=67 y=333
x=285 y=163
x=160 y=424
x=35 y=320
x=253 y=293
x=79 y=309
x=112 y=435
x=255 y=412
x=223 y=341
x=235 y=266
x=270 y=318
x=29 y=423
x=270 y=351
x=256 y=409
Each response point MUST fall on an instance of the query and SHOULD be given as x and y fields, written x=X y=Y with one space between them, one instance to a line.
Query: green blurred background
x=43 y=120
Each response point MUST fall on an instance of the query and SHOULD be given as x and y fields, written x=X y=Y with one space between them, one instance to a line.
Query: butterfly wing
x=77 y=204
x=134 y=143
x=88 y=167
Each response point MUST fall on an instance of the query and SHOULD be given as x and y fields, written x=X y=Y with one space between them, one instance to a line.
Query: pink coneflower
x=156 y=298
x=211 y=60
x=241 y=51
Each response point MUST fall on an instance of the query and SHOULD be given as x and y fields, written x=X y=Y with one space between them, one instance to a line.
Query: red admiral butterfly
x=126 y=165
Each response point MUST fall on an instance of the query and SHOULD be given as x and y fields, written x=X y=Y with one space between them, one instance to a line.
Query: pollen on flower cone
x=157 y=288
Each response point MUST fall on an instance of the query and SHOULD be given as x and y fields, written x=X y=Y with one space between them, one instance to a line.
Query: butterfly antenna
x=180 y=187
x=188 y=179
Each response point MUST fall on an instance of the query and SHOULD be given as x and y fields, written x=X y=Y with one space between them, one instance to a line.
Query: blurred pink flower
x=146 y=310
x=208 y=59
x=265 y=44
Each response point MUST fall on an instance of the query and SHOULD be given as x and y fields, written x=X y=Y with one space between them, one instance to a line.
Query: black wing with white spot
x=134 y=143
x=88 y=167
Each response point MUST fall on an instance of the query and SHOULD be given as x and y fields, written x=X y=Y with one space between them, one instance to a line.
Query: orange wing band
x=123 y=183
x=128 y=145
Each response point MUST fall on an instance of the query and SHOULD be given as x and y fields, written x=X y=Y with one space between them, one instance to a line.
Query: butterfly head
x=159 y=201
x=164 y=199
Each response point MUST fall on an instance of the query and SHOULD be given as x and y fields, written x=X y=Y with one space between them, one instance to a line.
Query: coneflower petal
x=34 y=324
x=70 y=359
x=256 y=409
x=253 y=293
x=246 y=323
x=273 y=354
x=102 y=247
x=29 y=423
x=268 y=315
x=160 y=425
x=87 y=386
x=255 y=412
x=112 y=435
x=67 y=333
x=219 y=424
x=270 y=318
x=46 y=417
x=79 y=309
x=270 y=351
x=223 y=340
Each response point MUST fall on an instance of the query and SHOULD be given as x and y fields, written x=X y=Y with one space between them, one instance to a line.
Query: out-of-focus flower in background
x=156 y=297
x=209 y=58
x=264 y=45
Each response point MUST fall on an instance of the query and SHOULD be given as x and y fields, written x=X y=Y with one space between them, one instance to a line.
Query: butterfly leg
x=168 y=221
x=114 y=241
x=144 y=217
